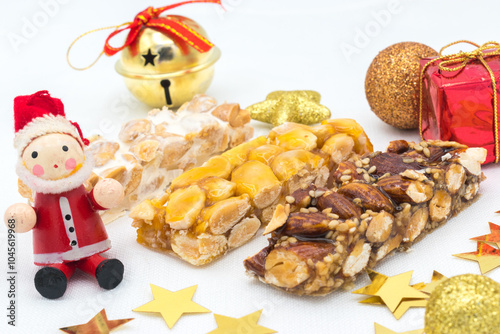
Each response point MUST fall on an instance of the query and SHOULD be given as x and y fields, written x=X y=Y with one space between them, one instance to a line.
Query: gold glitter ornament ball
x=392 y=83
x=464 y=304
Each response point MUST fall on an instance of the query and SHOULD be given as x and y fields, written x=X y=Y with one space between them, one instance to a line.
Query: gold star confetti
x=299 y=106
x=492 y=239
x=172 y=305
x=436 y=279
x=402 y=307
x=488 y=257
x=391 y=290
x=378 y=301
x=99 y=324
x=243 y=325
x=407 y=303
x=379 y=329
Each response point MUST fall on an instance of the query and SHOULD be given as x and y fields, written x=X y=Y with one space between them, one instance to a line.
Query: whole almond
x=370 y=197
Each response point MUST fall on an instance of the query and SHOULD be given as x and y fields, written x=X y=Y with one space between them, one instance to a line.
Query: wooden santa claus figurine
x=68 y=232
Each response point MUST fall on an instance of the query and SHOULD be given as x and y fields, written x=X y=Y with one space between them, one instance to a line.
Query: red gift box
x=457 y=101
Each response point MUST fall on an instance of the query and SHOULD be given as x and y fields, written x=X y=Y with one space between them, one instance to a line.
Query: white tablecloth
x=325 y=46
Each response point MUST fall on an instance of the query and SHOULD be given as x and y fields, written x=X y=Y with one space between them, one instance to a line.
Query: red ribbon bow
x=175 y=29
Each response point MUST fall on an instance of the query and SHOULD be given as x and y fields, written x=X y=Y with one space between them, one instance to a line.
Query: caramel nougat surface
x=380 y=202
x=220 y=205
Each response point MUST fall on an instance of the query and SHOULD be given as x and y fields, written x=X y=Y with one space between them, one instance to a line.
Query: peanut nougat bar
x=377 y=203
x=211 y=209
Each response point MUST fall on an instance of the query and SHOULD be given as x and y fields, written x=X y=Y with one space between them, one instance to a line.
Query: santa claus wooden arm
x=106 y=194
x=20 y=217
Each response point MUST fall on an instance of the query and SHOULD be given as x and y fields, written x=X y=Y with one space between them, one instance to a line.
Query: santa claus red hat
x=40 y=114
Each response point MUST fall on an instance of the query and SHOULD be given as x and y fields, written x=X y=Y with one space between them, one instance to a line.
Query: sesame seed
x=327 y=210
x=344 y=178
x=366 y=177
x=427 y=152
x=318 y=193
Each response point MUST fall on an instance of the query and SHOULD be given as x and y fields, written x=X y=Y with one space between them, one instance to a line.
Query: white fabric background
x=266 y=46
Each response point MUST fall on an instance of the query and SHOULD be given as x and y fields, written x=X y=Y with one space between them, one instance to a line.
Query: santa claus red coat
x=68 y=227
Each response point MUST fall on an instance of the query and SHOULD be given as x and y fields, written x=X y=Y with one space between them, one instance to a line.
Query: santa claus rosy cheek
x=38 y=170
x=70 y=164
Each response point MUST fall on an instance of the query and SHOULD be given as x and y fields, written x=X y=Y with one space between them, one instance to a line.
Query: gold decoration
x=299 y=106
x=243 y=325
x=406 y=303
x=392 y=83
x=160 y=74
x=488 y=257
x=391 y=290
x=172 y=305
x=464 y=304
x=379 y=329
x=437 y=278
x=99 y=324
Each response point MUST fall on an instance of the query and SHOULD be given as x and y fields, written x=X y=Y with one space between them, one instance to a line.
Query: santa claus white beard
x=68 y=183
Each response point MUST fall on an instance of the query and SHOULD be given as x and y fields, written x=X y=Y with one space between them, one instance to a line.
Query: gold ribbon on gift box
x=458 y=61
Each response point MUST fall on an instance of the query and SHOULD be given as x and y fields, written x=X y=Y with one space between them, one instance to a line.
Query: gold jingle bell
x=162 y=72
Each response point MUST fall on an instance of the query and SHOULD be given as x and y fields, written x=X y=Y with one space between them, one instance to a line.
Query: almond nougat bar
x=219 y=206
x=377 y=203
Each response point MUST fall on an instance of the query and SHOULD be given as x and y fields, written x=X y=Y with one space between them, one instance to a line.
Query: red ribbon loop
x=85 y=141
x=178 y=31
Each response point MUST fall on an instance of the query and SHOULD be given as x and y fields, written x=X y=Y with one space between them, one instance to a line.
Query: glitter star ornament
x=172 y=305
x=247 y=324
x=392 y=83
x=379 y=329
x=298 y=106
x=488 y=257
x=391 y=290
x=464 y=304
x=99 y=324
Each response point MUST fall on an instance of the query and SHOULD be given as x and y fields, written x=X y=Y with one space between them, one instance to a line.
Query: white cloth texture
x=266 y=46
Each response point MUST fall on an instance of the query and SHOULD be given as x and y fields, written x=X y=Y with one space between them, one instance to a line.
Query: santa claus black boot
x=51 y=282
x=109 y=273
